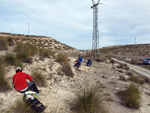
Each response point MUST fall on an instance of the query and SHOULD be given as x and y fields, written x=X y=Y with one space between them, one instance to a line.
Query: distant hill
x=40 y=41
x=138 y=49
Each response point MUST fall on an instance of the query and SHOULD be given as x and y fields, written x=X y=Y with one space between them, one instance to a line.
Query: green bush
x=46 y=53
x=131 y=97
x=62 y=58
x=39 y=78
x=67 y=70
x=3 y=43
x=4 y=85
x=25 y=51
x=88 y=100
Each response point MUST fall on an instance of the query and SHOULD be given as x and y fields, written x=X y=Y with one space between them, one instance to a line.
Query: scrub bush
x=131 y=97
x=88 y=100
x=25 y=51
x=39 y=78
x=46 y=53
x=62 y=58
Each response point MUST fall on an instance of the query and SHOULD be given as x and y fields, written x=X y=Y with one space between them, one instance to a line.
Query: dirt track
x=138 y=69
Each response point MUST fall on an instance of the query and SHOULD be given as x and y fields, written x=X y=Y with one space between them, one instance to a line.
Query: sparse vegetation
x=4 y=85
x=10 y=59
x=25 y=51
x=143 y=50
x=88 y=100
x=123 y=66
x=3 y=43
x=20 y=107
x=62 y=58
x=131 y=97
x=136 y=79
x=39 y=78
x=46 y=53
x=103 y=58
x=10 y=41
x=67 y=70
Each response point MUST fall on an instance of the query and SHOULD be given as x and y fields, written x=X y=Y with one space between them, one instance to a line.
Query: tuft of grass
x=10 y=58
x=3 y=44
x=66 y=68
x=88 y=100
x=131 y=97
x=25 y=51
x=39 y=78
x=4 y=85
x=62 y=58
x=20 y=107
x=46 y=53
x=136 y=79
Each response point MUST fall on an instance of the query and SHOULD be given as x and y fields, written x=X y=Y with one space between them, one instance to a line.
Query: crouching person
x=77 y=64
x=20 y=84
x=89 y=62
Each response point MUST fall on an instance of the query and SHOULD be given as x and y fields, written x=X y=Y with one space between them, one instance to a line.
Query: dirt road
x=138 y=69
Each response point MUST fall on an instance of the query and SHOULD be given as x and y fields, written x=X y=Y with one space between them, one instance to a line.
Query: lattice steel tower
x=95 y=39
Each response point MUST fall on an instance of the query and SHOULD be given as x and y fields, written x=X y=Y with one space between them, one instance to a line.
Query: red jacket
x=19 y=80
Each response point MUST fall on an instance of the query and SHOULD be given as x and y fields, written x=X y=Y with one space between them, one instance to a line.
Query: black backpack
x=35 y=104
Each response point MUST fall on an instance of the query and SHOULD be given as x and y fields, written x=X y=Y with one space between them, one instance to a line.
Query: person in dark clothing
x=89 y=62
x=20 y=84
x=77 y=64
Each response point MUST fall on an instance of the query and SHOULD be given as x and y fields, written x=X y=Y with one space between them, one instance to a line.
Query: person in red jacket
x=20 y=84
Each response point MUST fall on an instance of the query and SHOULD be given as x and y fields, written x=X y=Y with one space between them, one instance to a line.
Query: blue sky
x=71 y=21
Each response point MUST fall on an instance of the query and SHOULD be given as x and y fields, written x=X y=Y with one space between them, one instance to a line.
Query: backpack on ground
x=31 y=99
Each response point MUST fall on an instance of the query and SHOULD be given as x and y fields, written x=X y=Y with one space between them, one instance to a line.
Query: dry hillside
x=138 y=49
x=40 y=41
x=105 y=87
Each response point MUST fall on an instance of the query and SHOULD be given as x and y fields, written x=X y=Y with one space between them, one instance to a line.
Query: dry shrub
x=136 y=79
x=11 y=59
x=103 y=58
x=131 y=97
x=10 y=41
x=62 y=58
x=25 y=51
x=20 y=107
x=88 y=100
x=46 y=53
x=3 y=44
x=4 y=85
x=66 y=68
x=39 y=78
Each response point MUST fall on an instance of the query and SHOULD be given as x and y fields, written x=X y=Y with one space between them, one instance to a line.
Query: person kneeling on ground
x=80 y=58
x=77 y=64
x=20 y=84
x=89 y=62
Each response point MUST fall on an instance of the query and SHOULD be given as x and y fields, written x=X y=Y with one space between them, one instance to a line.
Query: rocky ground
x=61 y=91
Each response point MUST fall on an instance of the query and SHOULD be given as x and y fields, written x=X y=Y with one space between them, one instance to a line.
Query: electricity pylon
x=95 y=40
x=28 y=28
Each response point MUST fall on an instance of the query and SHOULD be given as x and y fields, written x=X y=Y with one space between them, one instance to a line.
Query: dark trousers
x=31 y=86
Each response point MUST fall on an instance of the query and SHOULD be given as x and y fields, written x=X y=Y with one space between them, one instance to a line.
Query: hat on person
x=18 y=69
